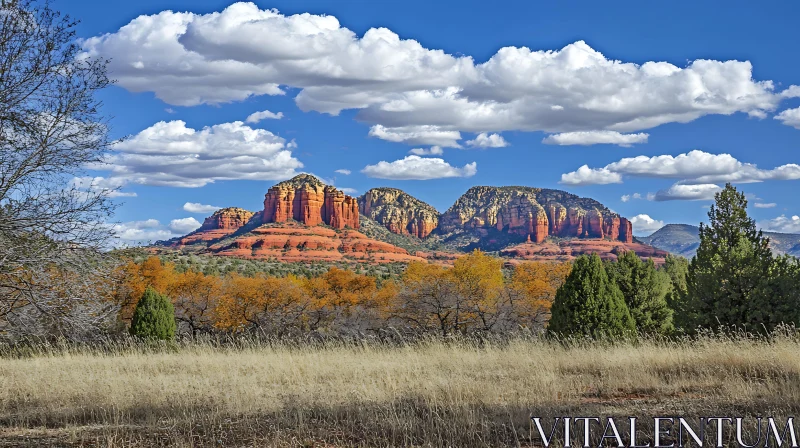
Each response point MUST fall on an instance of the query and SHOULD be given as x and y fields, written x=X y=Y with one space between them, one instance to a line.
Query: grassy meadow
x=429 y=393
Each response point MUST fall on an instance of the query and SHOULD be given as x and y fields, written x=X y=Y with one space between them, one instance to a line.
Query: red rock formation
x=399 y=212
x=231 y=218
x=569 y=249
x=306 y=200
x=625 y=231
x=222 y=223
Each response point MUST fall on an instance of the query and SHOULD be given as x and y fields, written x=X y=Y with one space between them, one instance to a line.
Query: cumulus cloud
x=111 y=187
x=484 y=140
x=263 y=115
x=343 y=171
x=141 y=232
x=432 y=151
x=591 y=176
x=587 y=138
x=171 y=154
x=765 y=205
x=184 y=225
x=189 y=59
x=695 y=167
x=196 y=207
x=781 y=224
x=682 y=192
x=417 y=135
x=790 y=117
x=628 y=197
x=418 y=168
x=645 y=225
x=346 y=190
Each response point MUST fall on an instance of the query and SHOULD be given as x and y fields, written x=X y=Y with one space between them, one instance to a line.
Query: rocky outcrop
x=307 y=200
x=567 y=250
x=399 y=212
x=294 y=242
x=536 y=213
x=231 y=218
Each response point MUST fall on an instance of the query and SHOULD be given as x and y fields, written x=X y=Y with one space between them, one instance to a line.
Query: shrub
x=154 y=317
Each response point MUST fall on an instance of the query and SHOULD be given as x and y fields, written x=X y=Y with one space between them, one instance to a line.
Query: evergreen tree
x=676 y=269
x=725 y=283
x=588 y=303
x=644 y=289
x=154 y=317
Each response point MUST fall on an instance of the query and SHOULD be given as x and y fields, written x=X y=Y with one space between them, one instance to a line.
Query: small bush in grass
x=154 y=317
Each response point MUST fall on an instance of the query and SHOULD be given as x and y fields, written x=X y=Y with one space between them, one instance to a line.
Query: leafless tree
x=51 y=230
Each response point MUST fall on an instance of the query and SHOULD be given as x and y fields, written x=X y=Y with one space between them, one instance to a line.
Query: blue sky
x=656 y=80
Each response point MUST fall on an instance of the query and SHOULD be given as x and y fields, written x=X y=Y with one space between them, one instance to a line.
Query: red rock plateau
x=536 y=213
x=219 y=225
x=569 y=249
x=294 y=242
x=305 y=220
x=308 y=201
x=399 y=212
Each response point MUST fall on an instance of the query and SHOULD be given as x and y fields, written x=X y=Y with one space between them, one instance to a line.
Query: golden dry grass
x=429 y=393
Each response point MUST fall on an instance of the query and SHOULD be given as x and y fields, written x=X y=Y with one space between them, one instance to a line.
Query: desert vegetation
x=123 y=348
x=454 y=392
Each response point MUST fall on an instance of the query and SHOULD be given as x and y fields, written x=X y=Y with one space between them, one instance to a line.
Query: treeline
x=733 y=283
x=475 y=295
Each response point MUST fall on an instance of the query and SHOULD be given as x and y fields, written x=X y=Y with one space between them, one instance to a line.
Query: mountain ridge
x=397 y=226
x=684 y=239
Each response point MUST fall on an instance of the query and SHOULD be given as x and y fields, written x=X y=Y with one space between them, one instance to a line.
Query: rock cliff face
x=307 y=200
x=535 y=213
x=231 y=218
x=399 y=212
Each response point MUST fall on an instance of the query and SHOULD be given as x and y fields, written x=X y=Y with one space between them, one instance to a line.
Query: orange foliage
x=534 y=285
x=472 y=295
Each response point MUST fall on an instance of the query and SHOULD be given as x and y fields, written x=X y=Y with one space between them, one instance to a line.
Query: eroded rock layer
x=399 y=212
x=534 y=212
x=307 y=200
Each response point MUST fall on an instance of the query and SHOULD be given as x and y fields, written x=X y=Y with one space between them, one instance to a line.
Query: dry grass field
x=421 y=394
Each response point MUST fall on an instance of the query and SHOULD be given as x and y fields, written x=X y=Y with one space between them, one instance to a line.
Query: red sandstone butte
x=306 y=200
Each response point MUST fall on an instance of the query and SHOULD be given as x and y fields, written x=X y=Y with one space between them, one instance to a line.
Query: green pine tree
x=677 y=269
x=725 y=283
x=588 y=303
x=644 y=289
x=154 y=317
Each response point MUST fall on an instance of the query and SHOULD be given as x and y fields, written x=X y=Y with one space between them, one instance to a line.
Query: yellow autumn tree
x=478 y=279
x=533 y=288
x=195 y=297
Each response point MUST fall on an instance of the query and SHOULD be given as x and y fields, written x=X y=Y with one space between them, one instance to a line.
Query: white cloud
x=695 y=167
x=765 y=205
x=645 y=225
x=100 y=184
x=343 y=171
x=350 y=191
x=790 y=117
x=625 y=198
x=196 y=207
x=781 y=224
x=681 y=192
x=263 y=115
x=417 y=135
x=484 y=140
x=586 y=138
x=591 y=176
x=171 y=154
x=433 y=151
x=418 y=168
x=189 y=59
x=184 y=225
x=141 y=232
